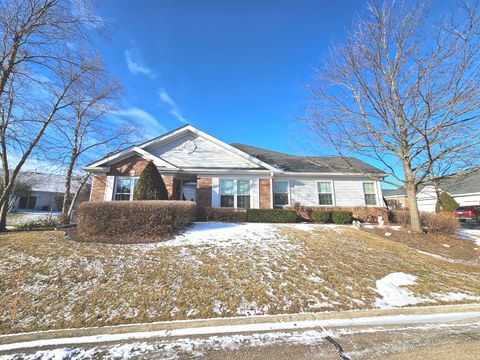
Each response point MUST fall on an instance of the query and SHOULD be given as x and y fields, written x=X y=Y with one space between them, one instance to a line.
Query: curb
x=468 y=311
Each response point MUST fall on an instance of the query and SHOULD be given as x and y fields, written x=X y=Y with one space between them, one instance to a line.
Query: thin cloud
x=135 y=64
x=143 y=118
x=173 y=108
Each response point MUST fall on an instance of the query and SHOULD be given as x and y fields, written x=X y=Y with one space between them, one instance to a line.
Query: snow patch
x=455 y=296
x=392 y=294
x=470 y=234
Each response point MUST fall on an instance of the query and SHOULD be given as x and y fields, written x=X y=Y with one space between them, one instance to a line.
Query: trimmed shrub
x=132 y=221
x=224 y=214
x=362 y=213
x=150 y=185
x=271 y=216
x=49 y=222
x=401 y=217
x=445 y=203
x=441 y=223
x=321 y=216
x=342 y=217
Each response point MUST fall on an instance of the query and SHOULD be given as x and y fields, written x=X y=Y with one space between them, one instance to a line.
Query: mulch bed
x=443 y=245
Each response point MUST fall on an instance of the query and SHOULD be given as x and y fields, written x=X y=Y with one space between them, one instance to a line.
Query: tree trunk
x=3 y=216
x=68 y=215
x=415 y=223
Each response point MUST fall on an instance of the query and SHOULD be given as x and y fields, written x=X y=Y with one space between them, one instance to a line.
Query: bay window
x=124 y=187
x=370 y=193
x=325 y=193
x=235 y=193
x=280 y=193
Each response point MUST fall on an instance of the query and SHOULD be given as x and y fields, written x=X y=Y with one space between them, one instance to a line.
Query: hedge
x=224 y=214
x=321 y=216
x=132 y=221
x=271 y=216
x=342 y=217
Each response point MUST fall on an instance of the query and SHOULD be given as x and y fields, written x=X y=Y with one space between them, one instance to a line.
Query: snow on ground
x=392 y=294
x=470 y=234
x=439 y=257
x=234 y=234
x=30 y=216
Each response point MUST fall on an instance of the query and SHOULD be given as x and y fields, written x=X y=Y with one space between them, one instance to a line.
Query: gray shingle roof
x=394 y=192
x=293 y=163
x=463 y=185
x=53 y=183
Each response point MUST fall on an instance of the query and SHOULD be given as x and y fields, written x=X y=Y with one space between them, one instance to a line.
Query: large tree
x=403 y=89
x=42 y=56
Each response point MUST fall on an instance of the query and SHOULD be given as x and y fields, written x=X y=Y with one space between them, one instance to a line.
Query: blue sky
x=235 y=69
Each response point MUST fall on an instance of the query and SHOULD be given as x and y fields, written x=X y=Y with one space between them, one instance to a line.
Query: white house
x=196 y=166
x=465 y=190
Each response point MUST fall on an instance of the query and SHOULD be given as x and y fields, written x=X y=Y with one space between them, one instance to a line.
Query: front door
x=189 y=191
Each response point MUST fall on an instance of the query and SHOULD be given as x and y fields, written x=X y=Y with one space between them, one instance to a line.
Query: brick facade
x=131 y=166
x=97 y=192
x=204 y=192
x=265 y=194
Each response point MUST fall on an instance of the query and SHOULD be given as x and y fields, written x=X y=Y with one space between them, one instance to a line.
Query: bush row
x=441 y=223
x=336 y=216
x=222 y=214
x=271 y=216
x=132 y=221
x=363 y=214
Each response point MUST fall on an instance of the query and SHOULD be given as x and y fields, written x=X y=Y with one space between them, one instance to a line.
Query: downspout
x=271 y=190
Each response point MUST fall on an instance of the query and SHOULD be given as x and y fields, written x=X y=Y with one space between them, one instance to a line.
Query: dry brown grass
x=67 y=284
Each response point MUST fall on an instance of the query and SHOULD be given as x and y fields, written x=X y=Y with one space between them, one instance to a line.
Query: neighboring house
x=465 y=190
x=396 y=199
x=197 y=166
x=46 y=192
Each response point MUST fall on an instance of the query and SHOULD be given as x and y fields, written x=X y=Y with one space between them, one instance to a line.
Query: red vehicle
x=464 y=213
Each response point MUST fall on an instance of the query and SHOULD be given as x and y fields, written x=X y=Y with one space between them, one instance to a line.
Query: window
x=27 y=202
x=124 y=187
x=280 y=193
x=325 y=193
x=235 y=193
x=370 y=193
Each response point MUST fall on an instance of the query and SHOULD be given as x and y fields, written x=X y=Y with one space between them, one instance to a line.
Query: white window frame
x=364 y=193
x=235 y=191
x=132 y=188
x=332 y=192
x=273 y=193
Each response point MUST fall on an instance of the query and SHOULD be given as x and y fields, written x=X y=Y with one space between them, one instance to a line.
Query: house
x=465 y=190
x=46 y=192
x=396 y=199
x=197 y=166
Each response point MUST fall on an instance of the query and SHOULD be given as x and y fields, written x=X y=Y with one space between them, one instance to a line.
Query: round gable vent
x=189 y=147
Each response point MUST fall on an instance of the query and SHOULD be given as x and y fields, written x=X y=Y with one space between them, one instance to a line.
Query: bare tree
x=403 y=90
x=40 y=61
x=87 y=131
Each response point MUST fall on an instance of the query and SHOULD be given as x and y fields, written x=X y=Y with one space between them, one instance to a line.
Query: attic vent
x=189 y=147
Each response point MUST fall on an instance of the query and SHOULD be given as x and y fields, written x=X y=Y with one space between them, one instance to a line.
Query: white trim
x=334 y=201
x=317 y=174
x=109 y=188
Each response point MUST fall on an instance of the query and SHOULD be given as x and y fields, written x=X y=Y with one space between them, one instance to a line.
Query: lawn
x=218 y=270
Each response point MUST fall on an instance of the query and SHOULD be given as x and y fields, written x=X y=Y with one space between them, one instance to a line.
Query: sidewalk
x=168 y=330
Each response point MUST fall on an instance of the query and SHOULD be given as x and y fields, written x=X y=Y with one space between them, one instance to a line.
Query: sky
x=235 y=69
